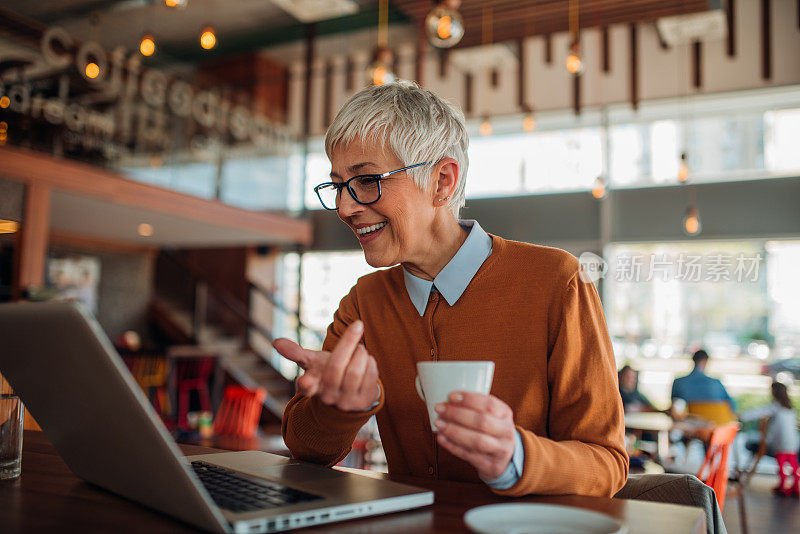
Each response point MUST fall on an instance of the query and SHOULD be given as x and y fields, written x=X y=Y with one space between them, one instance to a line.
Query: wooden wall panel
x=33 y=240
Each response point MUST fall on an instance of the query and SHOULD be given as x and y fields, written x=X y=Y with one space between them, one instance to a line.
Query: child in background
x=782 y=438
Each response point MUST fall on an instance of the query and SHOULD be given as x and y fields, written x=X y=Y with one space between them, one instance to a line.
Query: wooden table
x=48 y=497
x=657 y=422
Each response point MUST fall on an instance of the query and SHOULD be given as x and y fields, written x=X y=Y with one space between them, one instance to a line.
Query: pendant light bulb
x=599 y=190
x=691 y=221
x=208 y=39
x=444 y=25
x=147 y=46
x=574 y=61
x=529 y=123
x=486 y=127
x=380 y=71
x=175 y=3
x=92 y=70
x=683 y=169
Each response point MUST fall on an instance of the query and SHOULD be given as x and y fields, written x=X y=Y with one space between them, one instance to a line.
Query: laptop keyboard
x=240 y=493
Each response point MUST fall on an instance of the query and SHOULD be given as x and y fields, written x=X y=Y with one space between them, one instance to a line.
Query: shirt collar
x=457 y=274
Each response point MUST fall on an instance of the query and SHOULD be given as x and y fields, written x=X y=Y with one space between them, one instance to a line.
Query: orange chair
x=151 y=373
x=714 y=471
x=240 y=411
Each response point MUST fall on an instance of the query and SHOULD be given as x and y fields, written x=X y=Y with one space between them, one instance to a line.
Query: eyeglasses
x=364 y=188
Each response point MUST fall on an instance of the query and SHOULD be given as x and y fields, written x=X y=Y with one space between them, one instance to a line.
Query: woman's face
x=406 y=210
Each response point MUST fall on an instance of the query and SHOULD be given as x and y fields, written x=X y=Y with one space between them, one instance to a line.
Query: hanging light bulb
x=145 y=229
x=147 y=46
x=574 y=62
x=208 y=38
x=683 y=170
x=599 y=189
x=175 y=3
x=4 y=102
x=444 y=25
x=380 y=71
x=92 y=70
x=529 y=123
x=691 y=221
x=486 y=127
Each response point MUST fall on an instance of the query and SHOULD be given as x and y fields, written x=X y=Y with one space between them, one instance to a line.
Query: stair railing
x=204 y=287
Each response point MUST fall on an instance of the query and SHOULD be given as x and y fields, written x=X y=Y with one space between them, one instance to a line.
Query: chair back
x=149 y=371
x=718 y=412
x=714 y=471
x=676 y=489
x=194 y=372
x=240 y=411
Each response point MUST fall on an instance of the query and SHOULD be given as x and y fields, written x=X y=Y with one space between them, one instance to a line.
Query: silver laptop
x=76 y=386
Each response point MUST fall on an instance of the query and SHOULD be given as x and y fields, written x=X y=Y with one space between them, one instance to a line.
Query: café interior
x=158 y=160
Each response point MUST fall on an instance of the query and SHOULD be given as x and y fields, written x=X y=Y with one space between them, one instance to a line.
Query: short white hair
x=416 y=124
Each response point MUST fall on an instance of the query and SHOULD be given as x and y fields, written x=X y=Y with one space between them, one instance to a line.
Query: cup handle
x=419 y=388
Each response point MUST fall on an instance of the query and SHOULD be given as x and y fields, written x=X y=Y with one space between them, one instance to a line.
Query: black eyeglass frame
x=378 y=177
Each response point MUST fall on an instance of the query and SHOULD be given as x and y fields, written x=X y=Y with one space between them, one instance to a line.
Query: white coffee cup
x=436 y=380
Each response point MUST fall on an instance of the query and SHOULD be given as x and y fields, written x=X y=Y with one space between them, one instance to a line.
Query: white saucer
x=525 y=518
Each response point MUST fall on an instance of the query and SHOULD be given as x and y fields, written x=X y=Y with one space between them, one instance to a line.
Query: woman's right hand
x=346 y=378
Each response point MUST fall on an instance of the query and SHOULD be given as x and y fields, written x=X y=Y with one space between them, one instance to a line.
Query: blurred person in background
x=782 y=438
x=632 y=398
x=553 y=423
x=699 y=387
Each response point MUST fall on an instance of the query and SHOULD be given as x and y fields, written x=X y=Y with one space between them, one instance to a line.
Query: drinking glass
x=11 y=421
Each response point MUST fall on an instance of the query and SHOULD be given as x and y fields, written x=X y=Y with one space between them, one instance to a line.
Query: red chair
x=714 y=471
x=240 y=412
x=192 y=374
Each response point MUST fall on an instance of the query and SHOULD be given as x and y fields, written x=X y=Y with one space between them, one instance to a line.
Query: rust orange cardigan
x=527 y=310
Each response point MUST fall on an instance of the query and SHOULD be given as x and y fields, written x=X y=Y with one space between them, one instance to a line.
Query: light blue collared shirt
x=451 y=283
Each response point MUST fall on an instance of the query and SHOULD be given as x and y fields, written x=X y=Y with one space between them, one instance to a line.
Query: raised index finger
x=290 y=350
x=481 y=403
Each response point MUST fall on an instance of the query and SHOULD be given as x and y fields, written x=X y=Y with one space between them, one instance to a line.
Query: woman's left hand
x=479 y=429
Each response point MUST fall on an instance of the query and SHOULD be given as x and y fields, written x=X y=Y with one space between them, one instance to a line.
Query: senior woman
x=553 y=423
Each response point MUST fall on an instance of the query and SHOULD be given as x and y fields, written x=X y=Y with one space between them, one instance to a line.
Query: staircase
x=226 y=332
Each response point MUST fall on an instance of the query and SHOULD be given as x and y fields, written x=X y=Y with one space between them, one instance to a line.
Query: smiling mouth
x=367 y=230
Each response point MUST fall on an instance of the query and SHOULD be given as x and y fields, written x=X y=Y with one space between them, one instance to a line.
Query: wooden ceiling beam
x=419 y=9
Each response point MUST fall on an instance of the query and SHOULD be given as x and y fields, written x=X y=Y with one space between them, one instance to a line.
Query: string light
x=208 y=39
x=4 y=102
x=147 y=46
x=92 y=70
x=691 y=221
x=683 y=169
x=3 y=133
x=444 y=25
